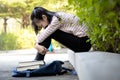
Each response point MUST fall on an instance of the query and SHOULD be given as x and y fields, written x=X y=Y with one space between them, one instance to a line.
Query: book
x=21 y=68
x=25 y=65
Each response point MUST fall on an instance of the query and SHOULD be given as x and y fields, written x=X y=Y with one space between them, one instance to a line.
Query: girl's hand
x=41 y=49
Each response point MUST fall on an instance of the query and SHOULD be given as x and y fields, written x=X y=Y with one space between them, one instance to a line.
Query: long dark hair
x=37 y=13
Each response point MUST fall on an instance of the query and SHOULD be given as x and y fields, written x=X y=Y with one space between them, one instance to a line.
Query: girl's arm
x=52 y=27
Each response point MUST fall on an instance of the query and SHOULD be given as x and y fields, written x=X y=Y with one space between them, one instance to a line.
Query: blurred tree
x=21 y=10
x=3 y=13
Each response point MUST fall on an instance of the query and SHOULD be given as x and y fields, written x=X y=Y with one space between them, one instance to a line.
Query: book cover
x=28 y=63
x=21 y=68
x=25 y=65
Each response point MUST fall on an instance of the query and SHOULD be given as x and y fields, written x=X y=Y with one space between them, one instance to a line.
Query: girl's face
x=41 y=23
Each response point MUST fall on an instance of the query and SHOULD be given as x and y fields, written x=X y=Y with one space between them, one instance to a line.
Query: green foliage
x=26 y=38
x=8 y=41
x=4 y=7
x=103 y=20
x=19 y=39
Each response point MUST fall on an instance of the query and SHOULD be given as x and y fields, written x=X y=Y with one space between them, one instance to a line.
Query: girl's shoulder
x=63 y=14
x=65 y=17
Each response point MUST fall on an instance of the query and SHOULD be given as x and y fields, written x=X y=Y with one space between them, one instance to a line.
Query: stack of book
x=29 y=65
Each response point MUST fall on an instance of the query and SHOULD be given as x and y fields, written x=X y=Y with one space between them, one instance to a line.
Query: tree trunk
x=5 y=25
x=25 y=21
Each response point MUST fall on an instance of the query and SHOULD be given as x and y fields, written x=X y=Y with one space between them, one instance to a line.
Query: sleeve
x=52 y=27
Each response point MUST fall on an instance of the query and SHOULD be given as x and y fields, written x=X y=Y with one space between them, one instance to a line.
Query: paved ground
x=10 y=59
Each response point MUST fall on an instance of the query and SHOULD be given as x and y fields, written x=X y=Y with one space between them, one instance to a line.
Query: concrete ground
x=10 y=59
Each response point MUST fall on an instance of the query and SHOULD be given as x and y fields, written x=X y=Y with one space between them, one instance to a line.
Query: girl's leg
x=45 y=43
x=73 y=42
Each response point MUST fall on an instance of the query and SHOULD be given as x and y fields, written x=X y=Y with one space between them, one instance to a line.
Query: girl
x=62 y=27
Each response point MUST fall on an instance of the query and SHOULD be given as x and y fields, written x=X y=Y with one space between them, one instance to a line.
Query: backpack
x=53 y=68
